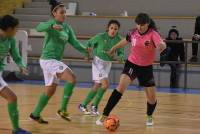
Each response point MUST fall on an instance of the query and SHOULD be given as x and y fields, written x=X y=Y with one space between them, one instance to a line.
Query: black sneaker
x=38 y=119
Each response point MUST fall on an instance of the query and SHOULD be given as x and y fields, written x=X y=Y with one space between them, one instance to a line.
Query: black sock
x=113 y=100
x=151 y=108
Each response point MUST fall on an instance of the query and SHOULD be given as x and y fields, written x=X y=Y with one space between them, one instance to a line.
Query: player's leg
x=89 y=97
x=127 y=76
x=43 y=101
x=146 y=79
x=12 y=106
x=102 y=73
x=49 y=68
x=151 y=104
x=68 y=76
x=100 y=92
x=115 y=97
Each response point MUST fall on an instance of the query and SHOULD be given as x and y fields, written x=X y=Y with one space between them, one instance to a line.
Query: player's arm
x=158 y=41
x=119 y=45
x=44 y=26
x=14 y=51
x=121 y=54
x=75 y=43
x=91 y=43
x=162 y=46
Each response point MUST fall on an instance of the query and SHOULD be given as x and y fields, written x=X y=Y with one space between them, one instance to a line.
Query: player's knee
x=105 y=85
x=152 y=99
x=50 y=90
x=96 y=86
x=12 y=98
x=72 y=79
x=121 y=88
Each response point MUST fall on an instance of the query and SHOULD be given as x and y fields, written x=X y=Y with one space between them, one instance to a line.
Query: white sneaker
x=149 y=121
x=100 y=121
x=83 y=109
x=94 y=111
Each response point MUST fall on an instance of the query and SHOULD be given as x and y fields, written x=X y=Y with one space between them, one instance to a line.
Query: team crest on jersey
x=100 y=75
x=61 y=67
x=147 y=42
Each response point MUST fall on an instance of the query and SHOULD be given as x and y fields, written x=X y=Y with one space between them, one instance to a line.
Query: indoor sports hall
x=176 y=69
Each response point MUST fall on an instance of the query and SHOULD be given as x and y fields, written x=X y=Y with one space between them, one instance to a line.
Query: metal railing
x=186 y=42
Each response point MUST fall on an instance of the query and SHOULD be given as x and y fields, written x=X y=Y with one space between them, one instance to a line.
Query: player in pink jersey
x=145 y=40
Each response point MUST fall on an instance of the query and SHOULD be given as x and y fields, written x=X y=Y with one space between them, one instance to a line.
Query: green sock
x=14 y=115
x=68 y=89
x=89 y=97
x=41 y=104
x=98 y=97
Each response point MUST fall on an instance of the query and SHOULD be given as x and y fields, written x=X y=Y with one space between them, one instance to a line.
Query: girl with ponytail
x=57 y=34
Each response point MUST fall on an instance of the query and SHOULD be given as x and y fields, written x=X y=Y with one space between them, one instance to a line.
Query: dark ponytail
x=152 y=24
x=55 y=4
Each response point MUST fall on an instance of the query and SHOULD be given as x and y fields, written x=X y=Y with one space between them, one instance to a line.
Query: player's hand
x=57 y=27
x=111 y=52
x=24 y=71
x=89 y=49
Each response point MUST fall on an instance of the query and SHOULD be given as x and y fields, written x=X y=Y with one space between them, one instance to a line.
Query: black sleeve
x=182 y=51
x=128 y=37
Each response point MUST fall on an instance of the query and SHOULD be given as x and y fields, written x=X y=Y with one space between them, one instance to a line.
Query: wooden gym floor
x=175 y=114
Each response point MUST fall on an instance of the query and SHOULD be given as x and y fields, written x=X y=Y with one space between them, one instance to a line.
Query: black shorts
x=144 y=74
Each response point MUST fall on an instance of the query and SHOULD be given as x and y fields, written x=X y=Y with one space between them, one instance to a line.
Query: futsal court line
x=112 y=86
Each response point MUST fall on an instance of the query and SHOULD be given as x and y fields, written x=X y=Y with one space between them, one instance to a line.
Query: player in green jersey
x=8 y=29
x=57 y=34
x=101 y=65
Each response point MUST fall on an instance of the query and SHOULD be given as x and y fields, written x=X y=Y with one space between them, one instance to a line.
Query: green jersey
x=55 y=41
x=8 y=46
x=101 y=43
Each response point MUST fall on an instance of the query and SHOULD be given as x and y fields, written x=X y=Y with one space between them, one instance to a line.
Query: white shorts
x=50 y=68
x=100 y=69
x=2 y=82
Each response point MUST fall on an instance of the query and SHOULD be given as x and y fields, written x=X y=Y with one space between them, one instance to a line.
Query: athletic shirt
x=102 y=42
x=55 y=41
x=143 y=46
x=8 y=46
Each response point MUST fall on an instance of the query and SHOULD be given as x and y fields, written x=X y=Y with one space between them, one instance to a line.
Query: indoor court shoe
x=64 y=115
x=21 y=131
x=149 y=121
x=94 y=111
x=38 y=119
x=100 y=121
x=83 y=109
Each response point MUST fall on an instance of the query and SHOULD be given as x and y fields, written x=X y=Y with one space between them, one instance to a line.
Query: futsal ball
x=111 y=123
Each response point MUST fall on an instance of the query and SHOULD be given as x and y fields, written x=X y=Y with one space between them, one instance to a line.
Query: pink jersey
x=143 y=47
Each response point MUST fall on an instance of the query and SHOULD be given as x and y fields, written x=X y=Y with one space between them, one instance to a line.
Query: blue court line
x=112 y=86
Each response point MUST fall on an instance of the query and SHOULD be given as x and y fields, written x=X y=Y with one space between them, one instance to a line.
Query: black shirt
x=176 y=50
